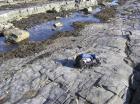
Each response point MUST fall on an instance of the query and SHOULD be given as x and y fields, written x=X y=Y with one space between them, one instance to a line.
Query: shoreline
x=50 y=72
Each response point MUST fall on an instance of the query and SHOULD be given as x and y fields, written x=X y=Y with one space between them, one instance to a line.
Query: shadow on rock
x=66 y=62
x=133 y=91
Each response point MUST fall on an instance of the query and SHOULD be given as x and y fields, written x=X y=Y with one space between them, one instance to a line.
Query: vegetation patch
x=30 y=94
x=80 y=24
x=121 y=2
x=106 y=14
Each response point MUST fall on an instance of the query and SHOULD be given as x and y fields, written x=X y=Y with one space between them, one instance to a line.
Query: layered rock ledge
x=9 y=15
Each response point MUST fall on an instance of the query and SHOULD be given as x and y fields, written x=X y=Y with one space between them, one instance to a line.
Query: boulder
x=89 y=9
x=15 y=35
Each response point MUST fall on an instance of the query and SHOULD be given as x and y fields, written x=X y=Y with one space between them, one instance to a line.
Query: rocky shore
x=49 y=77
x=19 y=13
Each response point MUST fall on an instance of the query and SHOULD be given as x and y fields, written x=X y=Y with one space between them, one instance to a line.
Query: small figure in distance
x=77 y=2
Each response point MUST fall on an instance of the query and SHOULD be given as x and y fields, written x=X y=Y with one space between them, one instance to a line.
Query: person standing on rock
x=77 y=2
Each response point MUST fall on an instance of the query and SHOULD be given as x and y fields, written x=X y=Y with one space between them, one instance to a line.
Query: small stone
x=57 y=17
x=90 y=9
x=4 y=98
x=58 y=24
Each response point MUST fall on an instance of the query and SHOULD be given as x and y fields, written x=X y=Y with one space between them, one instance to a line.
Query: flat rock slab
x=54 y=79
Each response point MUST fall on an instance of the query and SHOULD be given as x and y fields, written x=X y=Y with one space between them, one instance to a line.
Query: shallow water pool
x=46 y=30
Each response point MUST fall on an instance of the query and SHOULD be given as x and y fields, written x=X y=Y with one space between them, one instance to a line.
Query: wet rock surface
x=49 y=77
x=38 y=19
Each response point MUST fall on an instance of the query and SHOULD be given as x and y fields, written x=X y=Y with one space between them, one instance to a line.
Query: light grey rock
x=99 y=96
x=19 y=13
x=58 y=81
